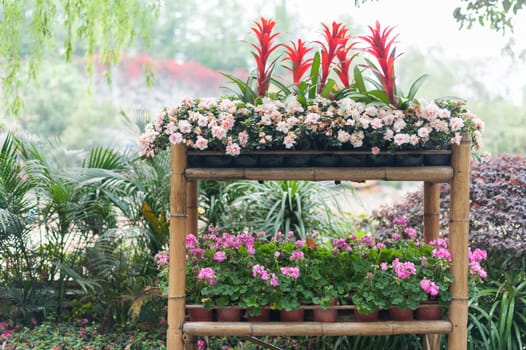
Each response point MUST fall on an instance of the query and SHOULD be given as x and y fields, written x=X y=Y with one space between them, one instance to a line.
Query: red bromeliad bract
x=264 y=49
x=343 y=65
x=296 y=54
x=381 y=47
x=335 y=39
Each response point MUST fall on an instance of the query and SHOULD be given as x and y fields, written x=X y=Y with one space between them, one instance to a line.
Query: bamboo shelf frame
x=183 y=219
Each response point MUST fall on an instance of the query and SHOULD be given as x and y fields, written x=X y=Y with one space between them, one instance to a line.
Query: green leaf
x=246 y=93
x=328 y=88
x=416 y=86
x=315 y=68
x=376 y=84
x=283 y=88
x=358 y=80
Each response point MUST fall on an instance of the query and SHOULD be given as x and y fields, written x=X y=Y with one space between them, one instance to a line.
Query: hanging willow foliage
x=100 y=29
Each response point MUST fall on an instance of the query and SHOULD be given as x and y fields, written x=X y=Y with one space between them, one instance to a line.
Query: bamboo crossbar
x=316 y=328
x=429 y=174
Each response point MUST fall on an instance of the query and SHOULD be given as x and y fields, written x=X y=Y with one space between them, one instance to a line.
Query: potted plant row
x=249 y=272
x=328 y=113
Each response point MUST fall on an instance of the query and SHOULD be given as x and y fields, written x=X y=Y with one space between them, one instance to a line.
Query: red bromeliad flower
x=381 y=47
x=264 y=49
x=296 y=54
x=335 y=38
x=344 y=64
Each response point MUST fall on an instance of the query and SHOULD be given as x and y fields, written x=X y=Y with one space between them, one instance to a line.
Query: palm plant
x=273 y=206
x=24 y=270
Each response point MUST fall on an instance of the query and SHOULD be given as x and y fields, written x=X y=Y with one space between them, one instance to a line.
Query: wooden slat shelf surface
x=427 y=173
x=316 y=328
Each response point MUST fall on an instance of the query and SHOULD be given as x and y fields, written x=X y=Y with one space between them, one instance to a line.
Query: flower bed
x=248 y=271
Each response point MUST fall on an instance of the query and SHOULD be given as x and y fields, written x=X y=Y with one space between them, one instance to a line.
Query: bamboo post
x=191 y=208
x=177 y=258
x=431 y=211
x=458 y=243
x=431 y=232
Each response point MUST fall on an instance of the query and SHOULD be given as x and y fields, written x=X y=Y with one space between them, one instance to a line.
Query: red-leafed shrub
x=498 y=205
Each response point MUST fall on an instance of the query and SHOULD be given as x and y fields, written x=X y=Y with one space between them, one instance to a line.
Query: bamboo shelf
x=183 y=219
x=315 y=328
x=428 y=174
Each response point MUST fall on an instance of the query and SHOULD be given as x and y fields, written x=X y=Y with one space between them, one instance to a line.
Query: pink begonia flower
x=197 y=252
x=185 y=127
x=403 y=269
x=289 y=141
x=201 y=345
x=201 y=143
x=400 y=221
x=175 y=138
x=297 y=255
x=220 y=256
x=293 y=272
x=300 y=243
x=274 y=282
x=396 y=236
x=442 y=253
x=191 y=241
x=456 y=139
x=260 y=271
x=383 y=266
x=160 y=259
x=456 y=123
x=311 y=118
x=380 y=245
x=366 y=240
x=429 y=287
x=477 y=255
x=170 y=128
x=411 y=232
x=206 y=273
x=277 y=254
x=343 y=136
x=243 y=138
x=218 y=132
x=439 y=242
x=375 y=150
x=476 y=270
x=233 y=149
x=376 y=123
x=423 y=132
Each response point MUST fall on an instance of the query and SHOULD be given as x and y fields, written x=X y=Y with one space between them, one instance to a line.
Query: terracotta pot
x=228 y=314
x=371 y=317
x=428 y=311
x=264 y=317
x=327 y=315
x=398 y=314
x=200 y=314
x=292 y=315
